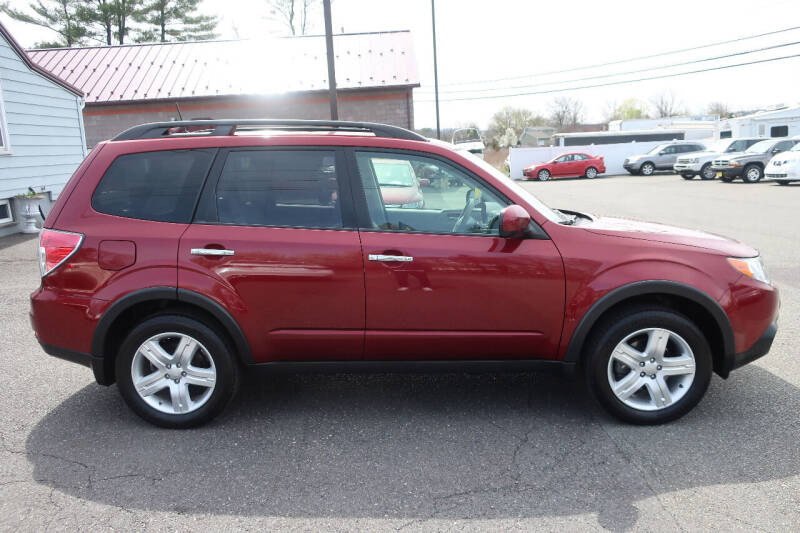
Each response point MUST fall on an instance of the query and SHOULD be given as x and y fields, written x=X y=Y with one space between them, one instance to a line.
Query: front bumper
x=758 y=349
x=632 y=167
x=728 y=172
x=681 y=168
x=781 y=175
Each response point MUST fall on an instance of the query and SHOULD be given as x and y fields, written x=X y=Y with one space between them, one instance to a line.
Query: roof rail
x=155 y=130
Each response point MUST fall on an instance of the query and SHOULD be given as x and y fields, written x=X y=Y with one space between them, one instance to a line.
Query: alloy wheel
x=173 y=373
x=651 y=369
x=544 y=175
x=647 y=169
x=591 y=172
x=753 y=174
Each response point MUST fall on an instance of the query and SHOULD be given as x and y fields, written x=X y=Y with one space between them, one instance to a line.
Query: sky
x=483 y=43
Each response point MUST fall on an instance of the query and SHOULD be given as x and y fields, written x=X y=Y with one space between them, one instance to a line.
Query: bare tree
x=514 y=119
x=719 y=108
x=666 y=105
x=566 y=112
x=293 y=14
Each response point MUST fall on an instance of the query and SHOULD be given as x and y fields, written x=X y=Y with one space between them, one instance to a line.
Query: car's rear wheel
x=687 y=176
x=591 y=173
x=752 y=173
x=707 y=173
x=175 y=372
x=648 y=365
x=543 y=175
x=647 y=169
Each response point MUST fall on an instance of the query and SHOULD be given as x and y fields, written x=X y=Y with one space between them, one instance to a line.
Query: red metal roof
x=137 y=72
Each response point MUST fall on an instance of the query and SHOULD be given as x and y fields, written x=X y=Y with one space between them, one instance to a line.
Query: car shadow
x=416 y=446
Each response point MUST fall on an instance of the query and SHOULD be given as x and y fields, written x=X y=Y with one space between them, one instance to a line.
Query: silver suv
x=662 y=157
x=699 y=163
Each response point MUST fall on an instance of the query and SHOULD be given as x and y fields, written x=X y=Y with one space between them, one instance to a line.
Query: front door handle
x=210 y=251
x=387 y=258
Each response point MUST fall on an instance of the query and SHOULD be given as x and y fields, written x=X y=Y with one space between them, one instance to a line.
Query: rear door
x=274 y=242
x=440 y=281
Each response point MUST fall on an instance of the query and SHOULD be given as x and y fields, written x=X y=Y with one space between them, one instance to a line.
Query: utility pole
x=326 y=6
x=435 y=69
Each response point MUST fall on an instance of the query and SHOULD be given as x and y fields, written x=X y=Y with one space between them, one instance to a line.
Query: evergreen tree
x=175 y=20
x=61 y=16
x=109 y=19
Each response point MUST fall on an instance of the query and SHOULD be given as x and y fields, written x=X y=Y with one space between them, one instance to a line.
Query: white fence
x=613 y=154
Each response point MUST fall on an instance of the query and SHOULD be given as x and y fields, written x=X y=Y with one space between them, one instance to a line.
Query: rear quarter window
x=160 y=186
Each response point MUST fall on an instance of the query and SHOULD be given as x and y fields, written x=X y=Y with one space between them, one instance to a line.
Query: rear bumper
x=760 y=348
x=92 y=361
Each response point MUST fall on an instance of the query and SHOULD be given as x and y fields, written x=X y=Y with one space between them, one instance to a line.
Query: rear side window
x=159 y=186
x=283 y=188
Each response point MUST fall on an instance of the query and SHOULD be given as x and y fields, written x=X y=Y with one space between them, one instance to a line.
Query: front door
x=274 y=242
x=442 y=284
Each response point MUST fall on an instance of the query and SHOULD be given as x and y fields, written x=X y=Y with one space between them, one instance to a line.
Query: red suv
x=181 y=255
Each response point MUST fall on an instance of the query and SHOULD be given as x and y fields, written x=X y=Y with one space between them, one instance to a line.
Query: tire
x=687 y=176
x=590 y=173
x=543 y=175
x=647 y=169
x=707 y=173
x=634 y=326
x=752 y=174
x=726 y=179
x=781 y=182
x=170 y=401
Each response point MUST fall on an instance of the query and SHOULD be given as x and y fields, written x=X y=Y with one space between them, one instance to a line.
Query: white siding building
x=41 y=131
x=777 y=123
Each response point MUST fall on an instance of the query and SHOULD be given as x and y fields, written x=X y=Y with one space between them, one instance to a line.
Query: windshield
x=549 y=213
x=795 y=148
x=657 y=149
x=760 y=147
x=394 y=173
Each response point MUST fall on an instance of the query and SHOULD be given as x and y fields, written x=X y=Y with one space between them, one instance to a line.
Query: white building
x=41 y=133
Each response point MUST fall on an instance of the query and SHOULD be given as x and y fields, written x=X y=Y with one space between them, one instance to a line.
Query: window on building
x=727 y=134
x=161 y=186
x=762 y=130
x=280 y=188
x=4 y=144
x=5 y=212
x=779 y=131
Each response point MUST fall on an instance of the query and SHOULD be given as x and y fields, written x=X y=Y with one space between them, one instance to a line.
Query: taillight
x=55 y=247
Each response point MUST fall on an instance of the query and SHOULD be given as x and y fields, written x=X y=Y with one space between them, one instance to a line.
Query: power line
x=617 y=62
x=599 y=76
x=662 y=76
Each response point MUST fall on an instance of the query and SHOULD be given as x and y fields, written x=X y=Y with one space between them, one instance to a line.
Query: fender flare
x=641 y=288
x=178 y=295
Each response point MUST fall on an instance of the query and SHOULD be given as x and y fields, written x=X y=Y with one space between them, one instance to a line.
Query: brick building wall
x=387 y=106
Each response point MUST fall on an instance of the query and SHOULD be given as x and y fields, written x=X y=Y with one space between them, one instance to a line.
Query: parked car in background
x=749 y=165
x=469 y=139
x=662 y=157
x=172 y=264
x=699 y=163
x=575 y=164
x=399 y=184
x=784 y=167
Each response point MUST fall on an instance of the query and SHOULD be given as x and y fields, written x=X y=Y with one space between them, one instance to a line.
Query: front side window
x=431 y=197
x=159 y=186
x=282 y=188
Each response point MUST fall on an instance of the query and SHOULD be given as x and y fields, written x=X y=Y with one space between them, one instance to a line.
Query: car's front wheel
x=543 y=175
x=648 y=365
x=175 y=372
x=647 y=169
x=752 y=174
x=687 y=176
x=707 y=173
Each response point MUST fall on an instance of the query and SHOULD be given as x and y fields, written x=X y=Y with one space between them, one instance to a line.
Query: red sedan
x=577 y=164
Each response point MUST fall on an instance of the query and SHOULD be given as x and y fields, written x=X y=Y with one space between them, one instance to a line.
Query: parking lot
x=449 y=452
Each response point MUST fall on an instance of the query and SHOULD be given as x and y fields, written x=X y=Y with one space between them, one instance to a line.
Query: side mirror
x=424 y=182
x=514 y=221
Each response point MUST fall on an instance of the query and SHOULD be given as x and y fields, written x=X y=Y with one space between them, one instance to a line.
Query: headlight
x=751 y=267
x=634 y=158
x=694 y=160
x=412 y=205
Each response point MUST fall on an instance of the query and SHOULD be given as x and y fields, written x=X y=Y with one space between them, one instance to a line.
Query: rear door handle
x=210 y=251
x=386 y=258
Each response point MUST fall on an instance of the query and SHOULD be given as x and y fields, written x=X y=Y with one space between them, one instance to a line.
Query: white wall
x=613 y=155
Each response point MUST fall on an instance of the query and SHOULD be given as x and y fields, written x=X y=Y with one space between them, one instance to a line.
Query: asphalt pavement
x=420 y=452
